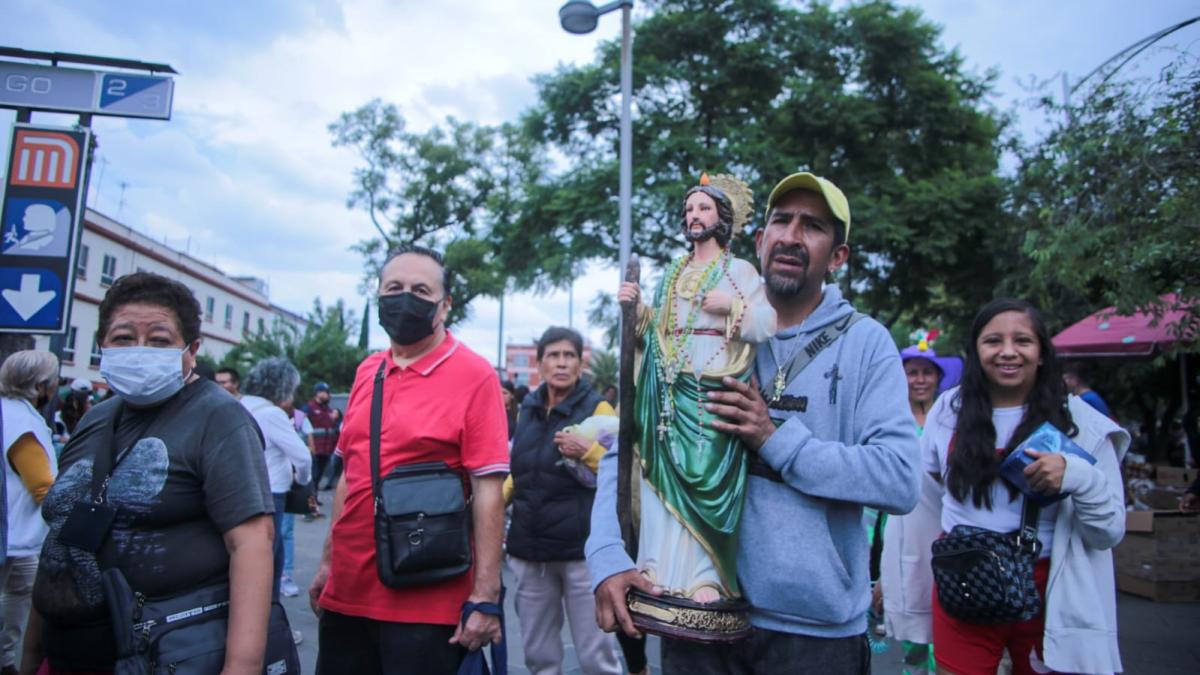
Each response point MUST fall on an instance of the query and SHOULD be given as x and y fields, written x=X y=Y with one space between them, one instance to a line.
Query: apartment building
x=232 y=306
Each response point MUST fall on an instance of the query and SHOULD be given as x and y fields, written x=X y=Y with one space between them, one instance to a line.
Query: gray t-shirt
x=187 y=471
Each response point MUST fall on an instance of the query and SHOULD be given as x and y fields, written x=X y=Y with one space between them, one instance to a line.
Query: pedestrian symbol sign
x=40 y=218
x=37 y=227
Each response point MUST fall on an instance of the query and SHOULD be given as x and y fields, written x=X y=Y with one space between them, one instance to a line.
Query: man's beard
x=782 y=286
x=705 y=234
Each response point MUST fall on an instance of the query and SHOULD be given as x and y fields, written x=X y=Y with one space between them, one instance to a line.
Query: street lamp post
x=580 y=17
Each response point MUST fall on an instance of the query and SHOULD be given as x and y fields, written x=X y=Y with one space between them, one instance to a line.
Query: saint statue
x=707 y=316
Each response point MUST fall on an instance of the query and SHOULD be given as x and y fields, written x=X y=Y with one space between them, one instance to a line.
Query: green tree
x=278 y=340
x=1109 y=201
x=865 y=96
x=364 y=331
x=426 y=188
x=327 y=352
x=323 y=352
x=604 y=367
x=1107 y=207
x=604 y=312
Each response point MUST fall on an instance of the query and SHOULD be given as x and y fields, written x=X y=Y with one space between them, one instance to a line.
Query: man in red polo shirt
x=441 y=401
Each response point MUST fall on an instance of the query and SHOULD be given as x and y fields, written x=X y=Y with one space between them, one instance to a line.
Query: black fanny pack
x=987 y=577
x=185 y=634
x=422 y=515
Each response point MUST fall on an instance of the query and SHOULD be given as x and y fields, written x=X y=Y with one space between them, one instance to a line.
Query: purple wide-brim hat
x=951 y=366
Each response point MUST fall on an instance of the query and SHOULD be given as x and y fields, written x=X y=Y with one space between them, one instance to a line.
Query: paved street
x=1156 y=638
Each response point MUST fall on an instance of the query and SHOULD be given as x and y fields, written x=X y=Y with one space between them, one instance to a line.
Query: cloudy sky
x=244 y=175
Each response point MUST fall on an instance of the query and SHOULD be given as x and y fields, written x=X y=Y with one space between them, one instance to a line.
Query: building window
x=68 y=350
x=228 y=315
x=210 y=309
x=262 y=326
x=108 y=270
x=245 y=322
x=95 y=360
x=81 y=261
x=520 y=360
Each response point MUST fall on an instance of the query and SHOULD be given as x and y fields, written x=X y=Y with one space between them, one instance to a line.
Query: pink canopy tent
x=1104 y=334
x=1107 y=335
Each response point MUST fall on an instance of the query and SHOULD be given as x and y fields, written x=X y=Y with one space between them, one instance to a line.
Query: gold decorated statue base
x=722 y=621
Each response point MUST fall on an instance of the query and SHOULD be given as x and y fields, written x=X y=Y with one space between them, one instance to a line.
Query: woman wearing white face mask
x=186 y=505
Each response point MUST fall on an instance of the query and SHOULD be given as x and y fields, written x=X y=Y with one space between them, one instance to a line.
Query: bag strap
x=104 y=462
x=474 y=662
x=376 y=426
x=786 y=372
x=1027 y=535
x=375 y=442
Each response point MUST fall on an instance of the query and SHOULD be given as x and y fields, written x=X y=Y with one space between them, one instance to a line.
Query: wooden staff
x=626 y=435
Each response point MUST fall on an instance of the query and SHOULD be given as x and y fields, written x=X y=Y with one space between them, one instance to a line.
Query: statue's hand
x=718 y=303
x=629 y=293
x=612 y=612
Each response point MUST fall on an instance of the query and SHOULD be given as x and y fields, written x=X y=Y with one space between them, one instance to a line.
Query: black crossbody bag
x=422 y=514
x=184 y=634
x=987 y=577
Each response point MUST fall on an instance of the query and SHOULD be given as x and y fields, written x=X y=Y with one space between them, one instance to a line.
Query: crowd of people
x=861 y=462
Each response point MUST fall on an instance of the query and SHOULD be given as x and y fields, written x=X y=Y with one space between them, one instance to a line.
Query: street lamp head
x=578 y=17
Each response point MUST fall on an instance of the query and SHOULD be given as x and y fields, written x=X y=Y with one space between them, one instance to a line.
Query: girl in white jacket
x=1011 y=385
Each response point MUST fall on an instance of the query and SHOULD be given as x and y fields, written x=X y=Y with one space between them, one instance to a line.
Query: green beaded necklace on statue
x=673 y=355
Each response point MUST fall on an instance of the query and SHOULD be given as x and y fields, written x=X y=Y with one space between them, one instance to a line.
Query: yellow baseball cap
x=807 y=181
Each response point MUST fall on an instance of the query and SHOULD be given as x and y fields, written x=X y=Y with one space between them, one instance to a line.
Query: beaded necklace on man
x=674 y=355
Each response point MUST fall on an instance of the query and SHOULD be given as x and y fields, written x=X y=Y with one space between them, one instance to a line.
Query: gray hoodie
x=803 y=555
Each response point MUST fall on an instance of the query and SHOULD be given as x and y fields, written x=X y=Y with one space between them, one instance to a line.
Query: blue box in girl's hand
x=1046 y=438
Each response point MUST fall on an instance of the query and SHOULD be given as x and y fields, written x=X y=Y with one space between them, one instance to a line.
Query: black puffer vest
x=551 y=508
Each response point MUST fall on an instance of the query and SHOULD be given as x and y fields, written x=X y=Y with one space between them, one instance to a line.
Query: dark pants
x=352 y=644
x=319 y=465
x=277 y=548
x=335 y=472
x=634 y=650
x=768 y=652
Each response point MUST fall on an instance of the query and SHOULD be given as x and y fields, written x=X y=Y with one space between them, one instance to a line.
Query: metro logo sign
x=44 y=159
x=41 y=210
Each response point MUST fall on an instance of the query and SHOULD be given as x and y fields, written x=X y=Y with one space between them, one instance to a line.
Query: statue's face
x=699 y=213
x=702 y=220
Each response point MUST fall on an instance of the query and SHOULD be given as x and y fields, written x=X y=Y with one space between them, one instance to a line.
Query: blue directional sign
x=32 y=299
x=135 y=95
x=40 y=214
x=26 y=85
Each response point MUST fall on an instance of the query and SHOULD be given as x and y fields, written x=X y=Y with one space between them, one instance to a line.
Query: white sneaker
x=287 y=587
x=297 y=636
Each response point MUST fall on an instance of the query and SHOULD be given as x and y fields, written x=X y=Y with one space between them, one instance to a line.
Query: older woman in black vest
x=552 y=487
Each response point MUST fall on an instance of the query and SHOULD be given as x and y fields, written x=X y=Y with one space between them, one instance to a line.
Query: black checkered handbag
x=987 y=577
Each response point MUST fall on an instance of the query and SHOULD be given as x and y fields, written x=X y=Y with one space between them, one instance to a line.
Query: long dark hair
x=974 y=463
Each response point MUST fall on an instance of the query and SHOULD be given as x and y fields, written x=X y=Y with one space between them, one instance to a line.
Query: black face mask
x=406 y=318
